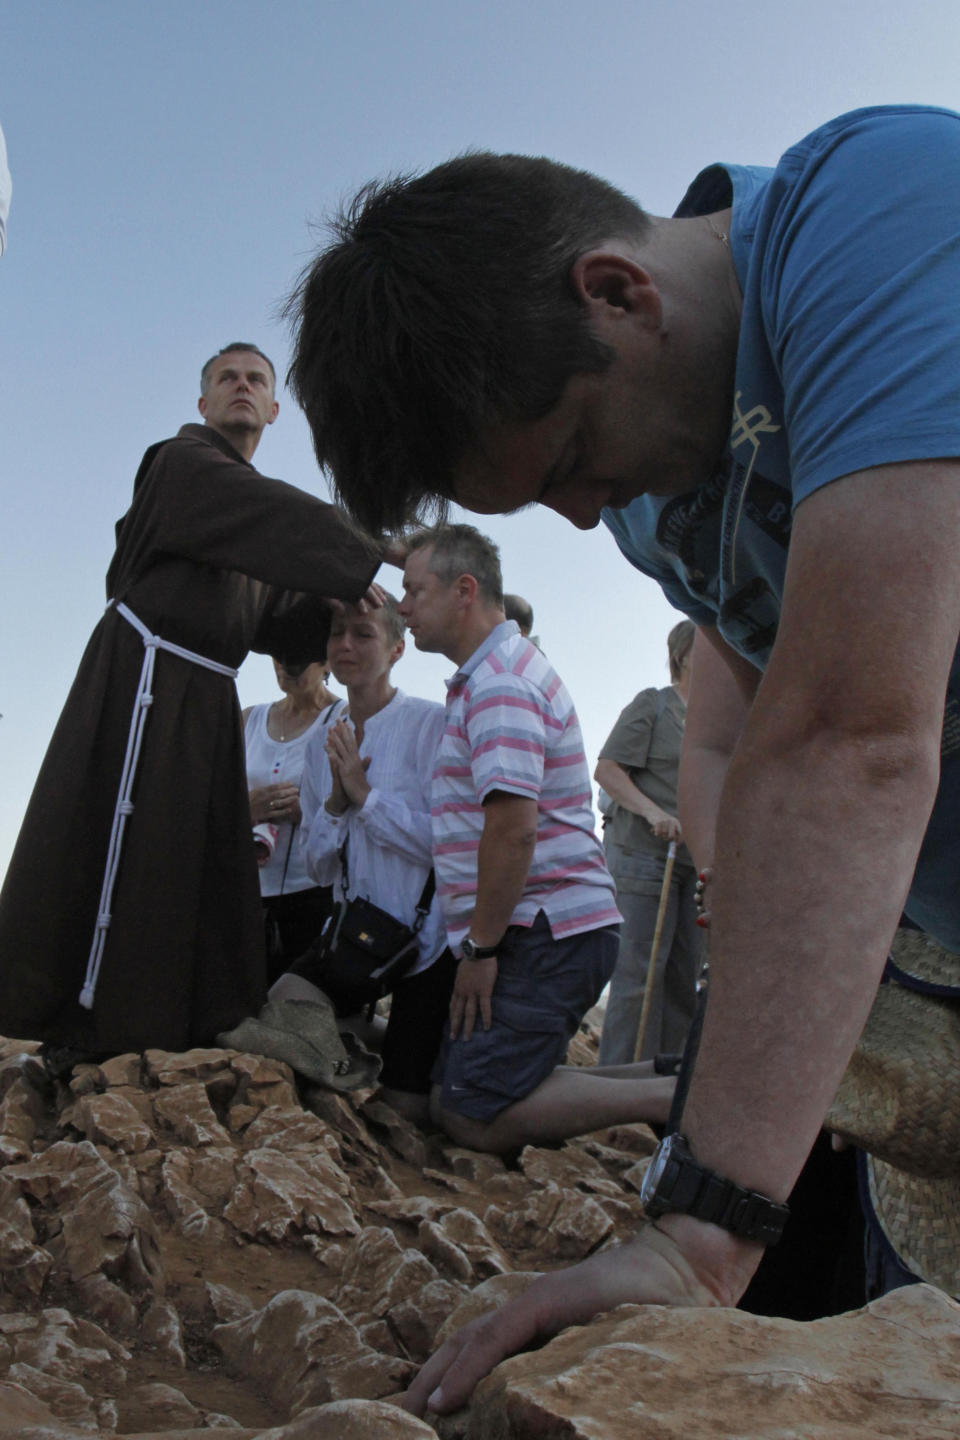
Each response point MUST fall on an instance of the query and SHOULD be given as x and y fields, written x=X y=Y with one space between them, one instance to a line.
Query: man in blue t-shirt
x=503 y=331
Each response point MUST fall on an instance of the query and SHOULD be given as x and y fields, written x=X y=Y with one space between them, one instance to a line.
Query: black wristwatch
x=470 y=950
x=676 y=1182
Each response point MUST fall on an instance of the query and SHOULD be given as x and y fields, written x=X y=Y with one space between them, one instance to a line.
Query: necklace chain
x=720 y=235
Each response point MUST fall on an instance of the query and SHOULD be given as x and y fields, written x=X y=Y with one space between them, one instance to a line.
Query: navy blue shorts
x=544 y=988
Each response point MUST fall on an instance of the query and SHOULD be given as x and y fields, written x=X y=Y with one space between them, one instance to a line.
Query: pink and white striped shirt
x=511 y=726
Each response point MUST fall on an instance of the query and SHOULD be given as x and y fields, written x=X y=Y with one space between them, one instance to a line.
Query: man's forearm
x=702 y=776
x=722 y=689
x=816 y=846
x=503 y=862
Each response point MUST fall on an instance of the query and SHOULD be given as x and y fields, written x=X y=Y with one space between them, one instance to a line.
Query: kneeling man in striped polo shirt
x=529 y=904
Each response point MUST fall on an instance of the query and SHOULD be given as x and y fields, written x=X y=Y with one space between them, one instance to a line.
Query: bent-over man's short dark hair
x=228 y=350
x=462 y=550
x=444 y=306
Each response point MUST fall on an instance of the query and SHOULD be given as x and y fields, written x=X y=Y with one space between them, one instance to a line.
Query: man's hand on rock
x=650 y=1270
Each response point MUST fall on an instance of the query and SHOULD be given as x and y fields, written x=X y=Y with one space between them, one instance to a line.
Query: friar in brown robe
x=215 y=558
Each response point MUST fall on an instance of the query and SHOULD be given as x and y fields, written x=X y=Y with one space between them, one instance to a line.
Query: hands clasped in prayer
x=348 y=768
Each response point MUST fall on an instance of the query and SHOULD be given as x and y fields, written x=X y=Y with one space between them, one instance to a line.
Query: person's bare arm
x=503 y=860
x=821 y=818
x=612 y=777
x=722 y=687
x=823 y=811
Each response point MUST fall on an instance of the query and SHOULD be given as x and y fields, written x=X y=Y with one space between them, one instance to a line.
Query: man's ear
x=467 y=588
x=614 y=287
x=202 y=406
x=275 y=412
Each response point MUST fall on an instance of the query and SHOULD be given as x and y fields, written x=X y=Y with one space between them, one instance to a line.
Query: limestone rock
x=633 y=1175
x=449 y=1181
x=67 y=1399
x=279 y=1195
x=163 y=1330
x=305 y=1351
x=291 y=1130
x=155 y=1406
x=187 y=1112
x=339 y=1113
x=71 y=1355
x=225 y=1304
x=121 y=1070
x=554 y=1223
x=261 y=1082
x=22 y=1105
x=412 y=1209
x=111 y=1119
x=448 y=1257
x=103 y=1225
x=164 y=1067
x=416 y=1318
x=470 y=1165
x=377 y=1275
x=569 y=1168
x=107 y=1303
x=353 y=1420
x=23 y=1414
x=636 y=1139
x=401 y=1136
x=472 y=1236
x=614 y=1161
x=194 y=1188
x=649 y=1373
x=126 y=1228
x=24 y=1265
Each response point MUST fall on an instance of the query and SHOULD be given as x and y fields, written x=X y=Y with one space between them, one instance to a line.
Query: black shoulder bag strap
x=426 y=894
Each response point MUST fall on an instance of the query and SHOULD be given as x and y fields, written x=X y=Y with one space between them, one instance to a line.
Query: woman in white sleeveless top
x=276 y=737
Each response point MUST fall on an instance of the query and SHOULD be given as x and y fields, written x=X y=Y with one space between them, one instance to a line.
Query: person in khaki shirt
x=638 y=768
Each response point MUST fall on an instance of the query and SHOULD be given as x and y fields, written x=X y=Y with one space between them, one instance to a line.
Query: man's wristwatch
x=470 y=950
x=676 y=1182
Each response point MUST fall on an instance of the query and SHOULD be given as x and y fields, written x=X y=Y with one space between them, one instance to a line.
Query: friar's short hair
x=444 y=305
x=228 y=350
x=462 y=550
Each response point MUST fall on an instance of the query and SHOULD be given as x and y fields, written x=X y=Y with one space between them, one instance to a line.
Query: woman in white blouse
x=366 y=785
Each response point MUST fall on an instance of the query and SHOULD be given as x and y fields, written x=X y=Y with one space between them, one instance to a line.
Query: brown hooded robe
x=214 y=557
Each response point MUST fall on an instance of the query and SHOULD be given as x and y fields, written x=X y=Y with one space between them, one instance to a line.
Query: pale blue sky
x=167 y=161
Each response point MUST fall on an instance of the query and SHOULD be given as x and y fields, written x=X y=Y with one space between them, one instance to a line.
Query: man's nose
x=577 y=506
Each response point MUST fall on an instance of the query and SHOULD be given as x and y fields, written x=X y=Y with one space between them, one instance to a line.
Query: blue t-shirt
x=848 y=258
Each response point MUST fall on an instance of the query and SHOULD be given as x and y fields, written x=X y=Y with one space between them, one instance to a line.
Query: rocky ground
x=187 y=1243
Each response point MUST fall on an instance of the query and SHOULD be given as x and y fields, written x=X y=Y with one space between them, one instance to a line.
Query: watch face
x=654 y=1171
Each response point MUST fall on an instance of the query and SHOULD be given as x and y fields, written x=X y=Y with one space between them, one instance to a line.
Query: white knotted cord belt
x=124 y=806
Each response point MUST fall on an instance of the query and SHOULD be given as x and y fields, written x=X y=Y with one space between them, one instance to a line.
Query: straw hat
x=899 y=1100
x=921 y=1219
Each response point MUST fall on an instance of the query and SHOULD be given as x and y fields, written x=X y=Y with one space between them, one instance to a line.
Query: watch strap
x=690 y=1189
x=472 y=951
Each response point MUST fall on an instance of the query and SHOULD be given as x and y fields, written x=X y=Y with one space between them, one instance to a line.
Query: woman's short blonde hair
x=679 y=645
